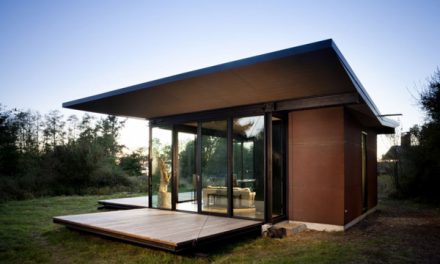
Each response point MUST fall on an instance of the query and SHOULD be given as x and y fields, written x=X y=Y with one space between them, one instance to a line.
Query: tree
x=86 y=162
x=87 y=133
x=108 y=129
x=28 y=131
x=8 y=137
x=430 y=99
x=429 y=141
x=420 y=163
x=72 y=128
x=53 y=131
x=133 y=164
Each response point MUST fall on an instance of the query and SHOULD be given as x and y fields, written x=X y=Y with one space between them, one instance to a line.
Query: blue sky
x=56 y=51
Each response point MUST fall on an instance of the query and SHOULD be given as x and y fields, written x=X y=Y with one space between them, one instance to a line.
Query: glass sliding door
x=193 y=164
x=161 y=167
x=278 y=178
x=214 y=166
x=248 y=167
x=186 y=167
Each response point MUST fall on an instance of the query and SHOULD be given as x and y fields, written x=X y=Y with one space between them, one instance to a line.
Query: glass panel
x=186 y=177
x=277 y=167
x=214 y=166
x=248 y=167
x=161 y=167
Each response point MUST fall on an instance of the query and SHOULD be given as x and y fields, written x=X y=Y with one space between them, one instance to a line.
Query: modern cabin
x=288 y=135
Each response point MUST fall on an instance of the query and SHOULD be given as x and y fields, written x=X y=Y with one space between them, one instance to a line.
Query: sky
x=57 y=51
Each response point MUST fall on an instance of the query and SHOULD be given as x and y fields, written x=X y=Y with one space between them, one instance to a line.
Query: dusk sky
x=56 y=51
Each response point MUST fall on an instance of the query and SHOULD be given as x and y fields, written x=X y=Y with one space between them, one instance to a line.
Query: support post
x=229 y=168
x=199 y=166
x=174 y=169
x=268 y=167
x=150 y=166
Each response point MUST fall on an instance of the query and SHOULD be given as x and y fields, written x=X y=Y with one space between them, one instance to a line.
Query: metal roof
x=311 y=70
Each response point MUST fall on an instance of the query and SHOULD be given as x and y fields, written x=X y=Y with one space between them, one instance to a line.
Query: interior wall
x=316 y=165
x=353 y=168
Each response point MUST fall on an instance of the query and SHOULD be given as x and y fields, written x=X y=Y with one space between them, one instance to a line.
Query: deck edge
x=117 y=235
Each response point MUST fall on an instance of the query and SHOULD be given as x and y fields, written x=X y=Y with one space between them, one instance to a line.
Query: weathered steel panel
x=353 y=168
x=316 y=165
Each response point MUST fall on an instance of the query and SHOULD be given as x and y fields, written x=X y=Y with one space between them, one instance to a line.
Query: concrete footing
x=282 y=229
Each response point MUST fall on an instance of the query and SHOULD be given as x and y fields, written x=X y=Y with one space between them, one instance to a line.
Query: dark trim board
x=260 y=109
x=168 y=230
x=125 y=203
x=317 y=102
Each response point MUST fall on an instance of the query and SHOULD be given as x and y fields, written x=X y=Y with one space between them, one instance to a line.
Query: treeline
x=42 y=155
x=418 y=175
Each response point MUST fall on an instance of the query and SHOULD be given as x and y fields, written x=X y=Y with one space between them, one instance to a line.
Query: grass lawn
x=399 y=232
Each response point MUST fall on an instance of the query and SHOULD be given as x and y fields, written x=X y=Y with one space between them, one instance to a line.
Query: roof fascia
x=361 y=90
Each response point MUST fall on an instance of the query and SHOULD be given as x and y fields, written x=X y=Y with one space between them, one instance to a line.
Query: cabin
x=284 y=136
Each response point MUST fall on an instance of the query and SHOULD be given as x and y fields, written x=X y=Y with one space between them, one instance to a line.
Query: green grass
x=27 y=235
x=288 y=250
x=385 y=185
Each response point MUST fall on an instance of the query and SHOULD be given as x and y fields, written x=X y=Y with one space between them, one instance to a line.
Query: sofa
x=216 y=196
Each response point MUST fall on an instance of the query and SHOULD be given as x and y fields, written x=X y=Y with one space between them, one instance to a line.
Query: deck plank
x=159 y=228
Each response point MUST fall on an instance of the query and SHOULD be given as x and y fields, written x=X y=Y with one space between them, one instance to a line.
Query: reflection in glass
x=161 y=167
x=214 y=166
x=248 y=167
x=186 y=169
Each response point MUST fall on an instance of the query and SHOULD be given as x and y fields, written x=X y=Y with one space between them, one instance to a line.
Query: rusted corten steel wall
x=316 y=165
x=353 y=168
x=325 y=176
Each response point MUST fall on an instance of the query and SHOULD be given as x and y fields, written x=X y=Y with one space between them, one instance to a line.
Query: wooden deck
x=142 y=202
x=191 y=206
x=169 y=230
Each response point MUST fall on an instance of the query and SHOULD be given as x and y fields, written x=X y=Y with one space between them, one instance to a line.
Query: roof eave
x=385 y=122
x=212 y=69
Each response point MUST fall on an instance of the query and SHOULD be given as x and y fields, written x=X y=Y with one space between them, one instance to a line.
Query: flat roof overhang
x=309 y=71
